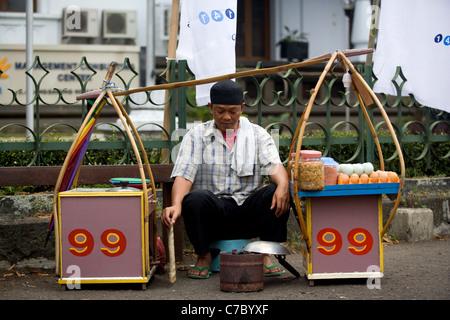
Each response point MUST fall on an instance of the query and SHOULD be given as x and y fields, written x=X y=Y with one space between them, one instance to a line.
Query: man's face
x=226 y=116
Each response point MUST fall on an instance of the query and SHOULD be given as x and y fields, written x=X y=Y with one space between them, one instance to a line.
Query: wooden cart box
x=102 y=236
x=344 y=223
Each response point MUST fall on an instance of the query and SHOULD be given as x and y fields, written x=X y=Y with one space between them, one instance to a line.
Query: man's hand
x=170 y=214
x=281 y=200
x=180 y=188
x=281 y=197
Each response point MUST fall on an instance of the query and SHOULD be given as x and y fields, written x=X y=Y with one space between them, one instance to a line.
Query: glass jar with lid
x=311 y=172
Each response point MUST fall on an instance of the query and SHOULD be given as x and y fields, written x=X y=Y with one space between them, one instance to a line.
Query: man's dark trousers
x=208 y=218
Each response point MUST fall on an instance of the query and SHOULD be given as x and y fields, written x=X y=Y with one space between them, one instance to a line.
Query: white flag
x=207 y=40
x=415 y=34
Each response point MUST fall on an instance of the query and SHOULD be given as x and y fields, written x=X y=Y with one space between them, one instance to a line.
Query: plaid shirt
x=204 y=158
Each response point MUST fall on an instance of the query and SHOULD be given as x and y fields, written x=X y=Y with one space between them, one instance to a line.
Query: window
x=16 y=5
x=253 y=30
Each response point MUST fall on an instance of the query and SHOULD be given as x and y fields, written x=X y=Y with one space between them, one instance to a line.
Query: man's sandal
x=199 y=276
x=271 y=274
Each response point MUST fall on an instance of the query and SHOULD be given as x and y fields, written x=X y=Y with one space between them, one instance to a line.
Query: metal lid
x=124 y=187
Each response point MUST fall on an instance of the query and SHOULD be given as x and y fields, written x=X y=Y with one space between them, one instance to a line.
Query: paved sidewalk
x=418 y=271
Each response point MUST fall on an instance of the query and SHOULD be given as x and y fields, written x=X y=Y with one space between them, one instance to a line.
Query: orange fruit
x=393 y=177
x=343 y=178
x=364 y=178
x=354 y=178
x=373 y=178
x=383 y=177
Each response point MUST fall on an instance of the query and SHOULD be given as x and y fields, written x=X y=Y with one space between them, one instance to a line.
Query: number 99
x=113 y=239
x=365 y=243
x=335 y=243
x=83 y=240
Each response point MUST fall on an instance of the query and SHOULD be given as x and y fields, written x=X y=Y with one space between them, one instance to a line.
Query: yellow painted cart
x=104 y=235
x=343 y=227
x=344 y=224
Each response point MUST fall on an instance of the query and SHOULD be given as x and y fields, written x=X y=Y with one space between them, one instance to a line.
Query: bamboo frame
x=127 y=123
x=364 y=94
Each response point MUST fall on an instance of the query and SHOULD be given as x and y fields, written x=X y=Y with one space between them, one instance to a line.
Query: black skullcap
x=227 y=92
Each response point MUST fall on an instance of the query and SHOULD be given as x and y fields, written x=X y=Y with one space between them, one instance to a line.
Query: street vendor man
x=219 y=181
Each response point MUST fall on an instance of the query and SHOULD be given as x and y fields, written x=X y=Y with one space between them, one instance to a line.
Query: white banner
x=207 y=40
x=415 y=34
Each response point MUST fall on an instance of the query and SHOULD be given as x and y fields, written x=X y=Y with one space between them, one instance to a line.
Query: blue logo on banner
x=216 y=15
x=204 y=17
x=230 y=13
x=440 y=38
x=447 y=41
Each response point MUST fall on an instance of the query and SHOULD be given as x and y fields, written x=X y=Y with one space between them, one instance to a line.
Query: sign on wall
x=58 y=62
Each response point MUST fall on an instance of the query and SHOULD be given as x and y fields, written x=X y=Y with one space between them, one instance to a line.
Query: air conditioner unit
x=80 y=22
x=119 y=24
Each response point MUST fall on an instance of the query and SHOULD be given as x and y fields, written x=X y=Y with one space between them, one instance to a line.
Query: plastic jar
x=310 y=172
x=330 y=170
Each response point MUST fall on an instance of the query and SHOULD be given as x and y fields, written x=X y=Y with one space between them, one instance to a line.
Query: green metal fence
x=274 y=101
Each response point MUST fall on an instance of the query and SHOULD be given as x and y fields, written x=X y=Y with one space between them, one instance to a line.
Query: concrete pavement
x=412 y=271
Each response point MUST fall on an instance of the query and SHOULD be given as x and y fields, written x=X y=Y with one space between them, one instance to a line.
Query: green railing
x=274 y=101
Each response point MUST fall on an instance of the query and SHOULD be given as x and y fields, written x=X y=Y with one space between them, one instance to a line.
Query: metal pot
x=274 y=248
x=241 y=272
x=267 y=247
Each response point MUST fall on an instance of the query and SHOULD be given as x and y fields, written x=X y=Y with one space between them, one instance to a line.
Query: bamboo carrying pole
x=171 y=55
x=172 y=268
x=373 y=29
x=239 y=74
x=173 y=34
